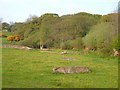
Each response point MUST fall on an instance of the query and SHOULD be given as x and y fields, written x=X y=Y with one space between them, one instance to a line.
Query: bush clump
x=3 y=35
x=14 y=38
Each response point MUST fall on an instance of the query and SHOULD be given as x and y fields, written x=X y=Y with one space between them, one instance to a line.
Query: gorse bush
x=10 y=38
x=3 y=35
x=14 y=38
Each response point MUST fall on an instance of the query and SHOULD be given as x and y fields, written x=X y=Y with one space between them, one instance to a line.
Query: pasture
x=33 y=69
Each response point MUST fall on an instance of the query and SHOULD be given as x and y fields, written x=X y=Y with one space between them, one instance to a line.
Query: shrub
x=116 y=43
x=32 y=41
x=17 y=38
x=99 y=35
x=66 y=45
x=2 y=35
x=77 y=43
x=10 y=38
x=14 y=38
x=70 y=44
x=104 y=52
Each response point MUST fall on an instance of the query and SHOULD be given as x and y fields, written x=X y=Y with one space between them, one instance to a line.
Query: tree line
x=73 y=31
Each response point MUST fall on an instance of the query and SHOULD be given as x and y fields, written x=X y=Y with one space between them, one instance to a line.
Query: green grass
x=33 y=69
x=5 y=41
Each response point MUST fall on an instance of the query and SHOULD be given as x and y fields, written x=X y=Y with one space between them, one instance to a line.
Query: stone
x=66 y=70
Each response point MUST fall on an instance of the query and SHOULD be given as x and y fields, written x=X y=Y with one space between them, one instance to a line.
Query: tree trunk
x=41 y=47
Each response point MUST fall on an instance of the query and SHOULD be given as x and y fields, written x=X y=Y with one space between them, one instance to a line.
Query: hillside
x=73 y=31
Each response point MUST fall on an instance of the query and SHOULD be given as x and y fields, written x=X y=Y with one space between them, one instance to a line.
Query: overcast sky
x=19 y=10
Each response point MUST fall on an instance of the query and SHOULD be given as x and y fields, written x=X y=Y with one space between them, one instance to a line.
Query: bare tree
x=31 y=17
x=11 y=22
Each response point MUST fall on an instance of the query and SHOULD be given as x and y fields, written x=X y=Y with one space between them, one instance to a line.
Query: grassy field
x=33 y=69
x=5 y=41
